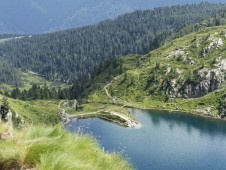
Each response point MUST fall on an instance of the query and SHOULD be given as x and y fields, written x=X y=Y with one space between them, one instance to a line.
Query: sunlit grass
x=37 y=111
x=53 y=148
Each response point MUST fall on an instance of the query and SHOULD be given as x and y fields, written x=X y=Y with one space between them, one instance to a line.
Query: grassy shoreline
x=193 y=106
x=192 y=111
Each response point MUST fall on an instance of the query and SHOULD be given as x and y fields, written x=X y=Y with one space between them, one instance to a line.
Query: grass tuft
x=53 y=148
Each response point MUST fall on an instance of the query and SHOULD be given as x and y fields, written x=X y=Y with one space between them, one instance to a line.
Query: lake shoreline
x=107 y=115
x=189 y=113
x=119 y=119
x=187 y=137
x=198 y=114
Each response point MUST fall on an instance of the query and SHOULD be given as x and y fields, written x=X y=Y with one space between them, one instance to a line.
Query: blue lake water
x=164 y=141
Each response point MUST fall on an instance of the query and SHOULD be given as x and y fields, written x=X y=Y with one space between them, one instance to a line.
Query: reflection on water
x=206 y=126
x=164 y=141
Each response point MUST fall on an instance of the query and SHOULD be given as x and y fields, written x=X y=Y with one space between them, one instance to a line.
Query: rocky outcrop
x=207 y=81
x=205 y=111
x=223 y=64
x=9 y=117
x=210 y=80
x=172 y=89
x=214 y=44
x=177 y=52
x=190 y=67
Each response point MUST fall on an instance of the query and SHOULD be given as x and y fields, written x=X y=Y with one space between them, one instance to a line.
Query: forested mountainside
x=39 y=16
x=74 y=56
x=186 y=74
x=9 y=74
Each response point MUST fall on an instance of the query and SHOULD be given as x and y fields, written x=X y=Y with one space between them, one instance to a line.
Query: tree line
x=45 y=92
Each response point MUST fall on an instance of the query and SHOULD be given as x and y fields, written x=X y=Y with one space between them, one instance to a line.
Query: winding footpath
x=67 y=118
x=129 y=121
x=106 y=88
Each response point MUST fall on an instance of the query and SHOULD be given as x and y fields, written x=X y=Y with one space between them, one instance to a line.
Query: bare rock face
x=9 y=117
x=209 y=80
x=215 y=43
x=205 y=111
x=172 y=89
x=223 y=65
x=176 y=53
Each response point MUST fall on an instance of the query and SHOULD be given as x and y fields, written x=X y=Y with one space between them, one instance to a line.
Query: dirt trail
x=106 y=87
x=129 y=122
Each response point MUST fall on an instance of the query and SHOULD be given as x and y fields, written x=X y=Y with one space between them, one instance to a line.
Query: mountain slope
x=75 y=56
x=187 y=75
x=38 y=16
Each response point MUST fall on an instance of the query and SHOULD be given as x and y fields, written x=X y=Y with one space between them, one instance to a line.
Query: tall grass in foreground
x=52 y=148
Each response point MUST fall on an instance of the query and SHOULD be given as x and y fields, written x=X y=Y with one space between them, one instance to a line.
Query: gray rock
x=214 y=44
x=209 y=80
x=205 y=111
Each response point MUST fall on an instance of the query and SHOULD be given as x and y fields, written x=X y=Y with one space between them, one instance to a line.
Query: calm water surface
x=164 y=141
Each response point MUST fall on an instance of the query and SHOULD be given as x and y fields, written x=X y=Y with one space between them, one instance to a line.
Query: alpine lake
x=164 y=141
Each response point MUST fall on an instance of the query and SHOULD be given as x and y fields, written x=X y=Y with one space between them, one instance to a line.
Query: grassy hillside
x=40 y=145
x=47 y=112
x=38 y=111
x=185 y=75
x=52 y=148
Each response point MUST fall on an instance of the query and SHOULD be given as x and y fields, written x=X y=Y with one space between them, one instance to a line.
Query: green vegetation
x=112 y=113
x=53 y=148
x=77 y=55
x=26 y=80
x=9 y=74
x=46 y=112
x=34 y=112
x=185 y=75
x=45 y=92
x=178 y=76
x=222 y=106
x=4 y=108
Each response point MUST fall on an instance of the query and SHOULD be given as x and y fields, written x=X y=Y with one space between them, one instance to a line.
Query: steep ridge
x=187 y=75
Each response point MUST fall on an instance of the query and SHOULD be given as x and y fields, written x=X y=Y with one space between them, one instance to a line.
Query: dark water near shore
x=164 y=141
